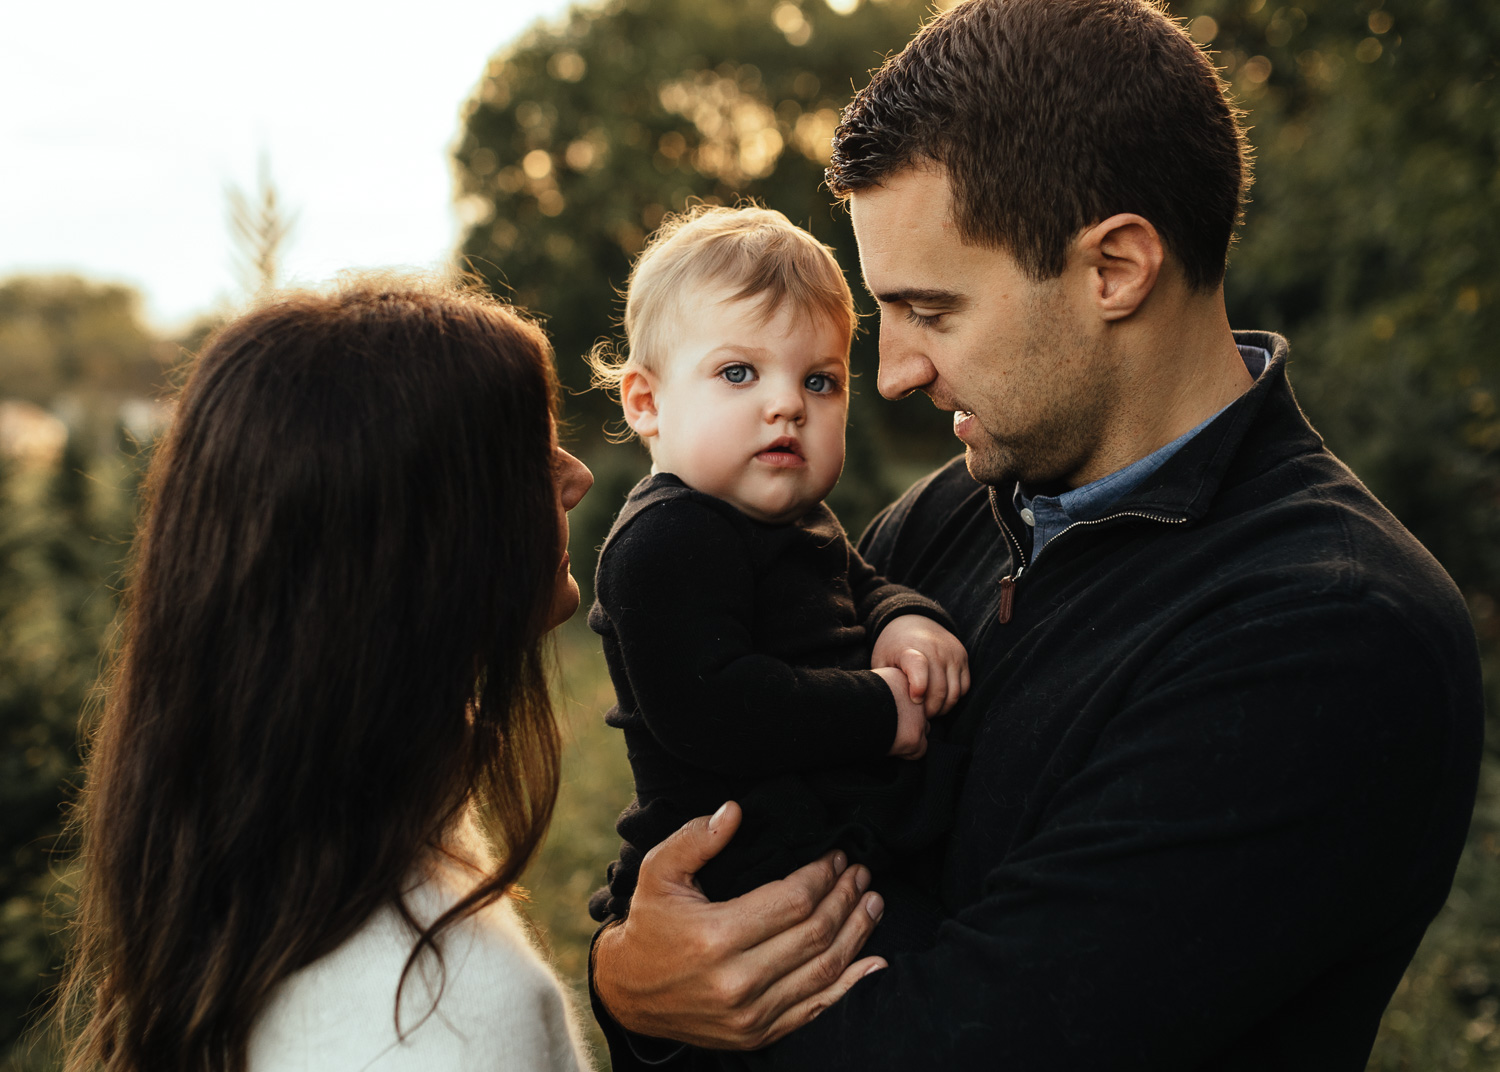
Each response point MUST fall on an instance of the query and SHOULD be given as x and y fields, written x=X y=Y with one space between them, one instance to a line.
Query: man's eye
x=914 y=317
x=820 y=383
x=738 y=373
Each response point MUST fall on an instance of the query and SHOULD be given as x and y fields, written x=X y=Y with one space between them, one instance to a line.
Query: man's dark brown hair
x=1051 y=115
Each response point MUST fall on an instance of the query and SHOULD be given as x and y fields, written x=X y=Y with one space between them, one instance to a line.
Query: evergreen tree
x=63 y=536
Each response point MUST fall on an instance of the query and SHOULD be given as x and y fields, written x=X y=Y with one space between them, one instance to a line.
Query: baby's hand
x=911 y=719
x=934 y=662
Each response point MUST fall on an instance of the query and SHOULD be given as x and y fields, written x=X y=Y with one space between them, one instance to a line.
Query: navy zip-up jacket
x=1225 y=742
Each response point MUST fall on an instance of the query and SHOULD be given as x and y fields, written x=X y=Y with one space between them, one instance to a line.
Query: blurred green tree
x=1377 y=198
x=66 y=335
x=64 y=529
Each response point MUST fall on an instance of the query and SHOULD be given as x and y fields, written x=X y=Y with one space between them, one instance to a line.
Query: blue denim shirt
x=1050 y=514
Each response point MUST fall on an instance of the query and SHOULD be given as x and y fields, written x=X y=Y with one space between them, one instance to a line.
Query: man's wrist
x=602 y=937
x=628 y=1049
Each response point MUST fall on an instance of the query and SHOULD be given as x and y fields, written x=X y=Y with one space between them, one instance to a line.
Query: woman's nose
x=575 y=480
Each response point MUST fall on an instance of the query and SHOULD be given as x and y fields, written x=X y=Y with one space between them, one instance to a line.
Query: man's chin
x=988 y=468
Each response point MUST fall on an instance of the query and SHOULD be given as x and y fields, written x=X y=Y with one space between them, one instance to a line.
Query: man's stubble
x=1050 y=417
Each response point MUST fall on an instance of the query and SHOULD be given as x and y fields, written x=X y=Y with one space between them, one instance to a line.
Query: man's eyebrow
x=919 y=296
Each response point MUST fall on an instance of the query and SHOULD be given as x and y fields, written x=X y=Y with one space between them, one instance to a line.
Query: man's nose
x=903 y=366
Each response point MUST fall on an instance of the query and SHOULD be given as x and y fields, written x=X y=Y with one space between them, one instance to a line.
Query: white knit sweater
x=499 y=1008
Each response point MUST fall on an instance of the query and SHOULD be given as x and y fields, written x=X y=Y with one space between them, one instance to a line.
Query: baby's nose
x=785 y=404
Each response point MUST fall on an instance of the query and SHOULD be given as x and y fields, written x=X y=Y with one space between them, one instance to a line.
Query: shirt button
x=1028 y=517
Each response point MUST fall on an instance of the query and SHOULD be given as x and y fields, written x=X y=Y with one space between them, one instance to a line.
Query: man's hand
x=736 y=974
x=934 y=661
x=911 y=716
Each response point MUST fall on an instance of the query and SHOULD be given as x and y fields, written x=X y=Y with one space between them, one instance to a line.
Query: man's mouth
x=785 y=453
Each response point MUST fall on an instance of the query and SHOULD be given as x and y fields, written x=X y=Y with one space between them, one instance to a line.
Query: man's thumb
x=677 y=859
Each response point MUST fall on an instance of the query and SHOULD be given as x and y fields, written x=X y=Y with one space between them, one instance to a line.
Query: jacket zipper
x=1008 y=584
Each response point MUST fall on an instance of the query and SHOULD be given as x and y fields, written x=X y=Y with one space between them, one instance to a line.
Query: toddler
x=739 y=625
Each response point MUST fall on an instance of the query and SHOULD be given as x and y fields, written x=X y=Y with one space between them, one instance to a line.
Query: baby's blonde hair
x=757 y=251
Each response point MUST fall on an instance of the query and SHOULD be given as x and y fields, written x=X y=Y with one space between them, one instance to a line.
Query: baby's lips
x=785 y=453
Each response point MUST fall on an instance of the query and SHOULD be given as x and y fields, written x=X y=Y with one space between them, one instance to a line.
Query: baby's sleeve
x=879 y=601
x=678 y=587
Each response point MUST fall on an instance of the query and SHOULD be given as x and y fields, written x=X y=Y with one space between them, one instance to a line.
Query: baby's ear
x=638 y=398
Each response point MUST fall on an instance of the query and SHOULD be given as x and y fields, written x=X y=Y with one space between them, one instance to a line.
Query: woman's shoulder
x=492 y=1003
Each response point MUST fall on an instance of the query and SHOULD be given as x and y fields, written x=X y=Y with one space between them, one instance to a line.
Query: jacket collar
x=1265 y=421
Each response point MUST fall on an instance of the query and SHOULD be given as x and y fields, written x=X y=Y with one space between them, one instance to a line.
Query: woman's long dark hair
x=333 y=645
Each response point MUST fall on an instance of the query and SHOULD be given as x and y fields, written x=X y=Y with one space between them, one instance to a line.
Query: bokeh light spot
x=580 y=154
x=537 y=164
x=483 y=162
x=788 y=18
x=567 y=66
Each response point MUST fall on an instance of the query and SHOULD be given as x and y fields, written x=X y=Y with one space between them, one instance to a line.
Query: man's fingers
x=825 y=978
x=803 y=1012
x=675 y=861
x=820 y=928
x=782 y=908
x=756 y=988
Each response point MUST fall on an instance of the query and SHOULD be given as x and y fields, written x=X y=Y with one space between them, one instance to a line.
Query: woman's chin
x=565 y=602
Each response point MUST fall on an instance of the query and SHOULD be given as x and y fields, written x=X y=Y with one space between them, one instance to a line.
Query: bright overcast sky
x=124 y=122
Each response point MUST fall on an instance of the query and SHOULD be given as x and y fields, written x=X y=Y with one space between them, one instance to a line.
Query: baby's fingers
x=950 y=698
x=913 y=664
x=938 y=693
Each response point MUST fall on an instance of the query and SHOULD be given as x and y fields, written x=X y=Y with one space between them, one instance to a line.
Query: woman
x=354 y=543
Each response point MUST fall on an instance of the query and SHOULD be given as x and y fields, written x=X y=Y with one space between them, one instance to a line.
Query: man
x=1225 y=720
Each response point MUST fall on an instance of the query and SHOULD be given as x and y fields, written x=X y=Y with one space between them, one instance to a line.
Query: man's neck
x=1180 y=365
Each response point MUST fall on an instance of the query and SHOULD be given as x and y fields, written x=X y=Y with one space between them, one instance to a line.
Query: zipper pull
x=1007 y=598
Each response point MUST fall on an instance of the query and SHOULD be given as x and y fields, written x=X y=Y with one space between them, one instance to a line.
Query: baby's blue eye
x=738 y=373
x=820 y=383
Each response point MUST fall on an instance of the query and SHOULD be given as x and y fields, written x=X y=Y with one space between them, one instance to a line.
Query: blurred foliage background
x=1369 y=241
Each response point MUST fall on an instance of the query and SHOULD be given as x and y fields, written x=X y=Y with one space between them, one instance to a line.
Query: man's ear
x=638 y=399
x=1123 y=256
